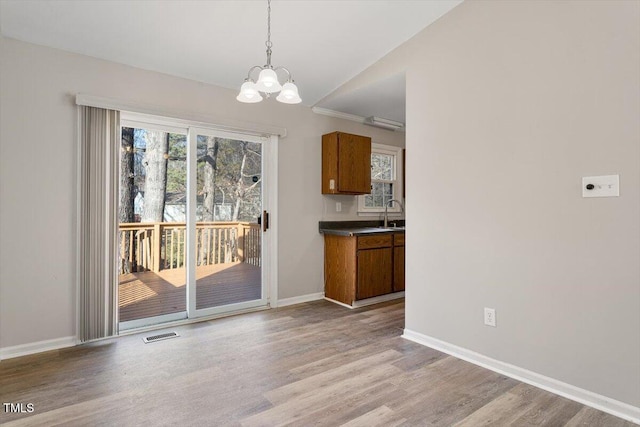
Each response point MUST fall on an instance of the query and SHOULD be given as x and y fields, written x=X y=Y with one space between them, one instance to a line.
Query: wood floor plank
x=352 y=407
x=549 y=410
x=448 y=390
x=319 y=397
x=311 y=364
x=333 y=360
x=505 y=409
x=330 y=377
x=593 y=418
x=381 y=416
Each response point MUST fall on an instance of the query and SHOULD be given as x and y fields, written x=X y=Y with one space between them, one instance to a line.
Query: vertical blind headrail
x=146 y=113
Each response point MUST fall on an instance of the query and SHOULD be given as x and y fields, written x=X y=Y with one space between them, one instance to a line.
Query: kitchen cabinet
x=361 y=267
x=346 y=164
x=398 y=262
x=375 y=268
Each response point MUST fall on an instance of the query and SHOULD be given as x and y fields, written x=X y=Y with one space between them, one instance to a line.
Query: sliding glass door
x=190 y=222
x=227 y=209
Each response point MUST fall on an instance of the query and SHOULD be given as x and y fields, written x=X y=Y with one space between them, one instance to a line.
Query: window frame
x=396 y=180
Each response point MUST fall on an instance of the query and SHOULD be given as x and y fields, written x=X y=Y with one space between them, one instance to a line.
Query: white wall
x=509 y=104
x=38 y=177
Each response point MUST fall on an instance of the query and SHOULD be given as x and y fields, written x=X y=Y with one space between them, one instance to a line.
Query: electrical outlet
x=338 y=207
x=490 y=316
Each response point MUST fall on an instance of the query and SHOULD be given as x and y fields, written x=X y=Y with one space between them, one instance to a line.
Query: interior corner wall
x=38 y=122
x=509 y=105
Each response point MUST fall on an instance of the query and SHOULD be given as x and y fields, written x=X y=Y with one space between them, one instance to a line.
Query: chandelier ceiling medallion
x=267 y=82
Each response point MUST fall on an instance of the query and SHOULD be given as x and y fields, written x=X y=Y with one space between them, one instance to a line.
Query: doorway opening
x=191 y=235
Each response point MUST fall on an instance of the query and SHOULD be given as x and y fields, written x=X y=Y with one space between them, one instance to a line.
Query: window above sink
x=386 y=182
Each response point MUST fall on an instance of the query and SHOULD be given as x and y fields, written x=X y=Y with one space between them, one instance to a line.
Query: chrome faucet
x=386 y=214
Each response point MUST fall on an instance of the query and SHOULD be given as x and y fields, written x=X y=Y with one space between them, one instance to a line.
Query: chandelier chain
x=268 y=43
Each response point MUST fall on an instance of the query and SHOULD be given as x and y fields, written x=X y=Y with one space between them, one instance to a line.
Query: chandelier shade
x=267 y=81
x=248 y=93
x=289 y=94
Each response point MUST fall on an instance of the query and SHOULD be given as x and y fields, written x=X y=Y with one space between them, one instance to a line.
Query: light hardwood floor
x=311 y=364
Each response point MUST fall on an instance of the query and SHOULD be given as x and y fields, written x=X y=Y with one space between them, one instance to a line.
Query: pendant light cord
x=268 y=42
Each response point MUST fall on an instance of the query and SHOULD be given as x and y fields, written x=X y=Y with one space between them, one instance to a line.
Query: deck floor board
x=148 y=294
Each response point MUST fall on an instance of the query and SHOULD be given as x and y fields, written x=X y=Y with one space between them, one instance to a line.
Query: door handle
x=265 y=221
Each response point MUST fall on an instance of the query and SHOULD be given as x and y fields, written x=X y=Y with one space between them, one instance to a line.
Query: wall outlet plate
x=601 y=186
x=490 y=316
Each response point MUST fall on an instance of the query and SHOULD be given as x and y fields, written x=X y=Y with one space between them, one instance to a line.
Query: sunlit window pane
x=381 y=166
x=384 y=175
x=381 y=193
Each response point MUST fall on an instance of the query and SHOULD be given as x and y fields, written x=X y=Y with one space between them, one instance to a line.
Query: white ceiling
x=323 y=43
x=384 y=98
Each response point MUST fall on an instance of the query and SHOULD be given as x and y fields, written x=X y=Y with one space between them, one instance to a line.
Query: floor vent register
x=160 y=337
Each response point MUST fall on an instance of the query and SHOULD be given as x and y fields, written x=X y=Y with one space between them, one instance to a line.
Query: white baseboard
x=36 y=347
x=369 y=301
x=586 y=397
x=377 y=300
x=302 y=298
x=339 y=303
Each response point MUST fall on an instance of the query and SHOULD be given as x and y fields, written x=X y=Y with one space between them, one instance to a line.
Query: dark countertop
x=359 y=228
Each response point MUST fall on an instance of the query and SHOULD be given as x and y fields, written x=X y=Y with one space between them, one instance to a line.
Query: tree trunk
x=210 y=167
x=127 y=195
x=240 y=188
x=155 y=183
x=208 y=200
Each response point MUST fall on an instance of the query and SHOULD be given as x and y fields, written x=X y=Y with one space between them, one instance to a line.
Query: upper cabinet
x=346 y=164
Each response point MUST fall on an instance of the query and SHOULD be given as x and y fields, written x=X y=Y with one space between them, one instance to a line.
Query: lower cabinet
x=361 y=267
x=398 y=262
x=375 y=272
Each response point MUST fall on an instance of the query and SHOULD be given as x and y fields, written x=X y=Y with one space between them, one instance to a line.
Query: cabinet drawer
x=398 y=239
x=376 y=241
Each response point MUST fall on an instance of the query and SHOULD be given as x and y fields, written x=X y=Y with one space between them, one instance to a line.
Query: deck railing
x=162 y=245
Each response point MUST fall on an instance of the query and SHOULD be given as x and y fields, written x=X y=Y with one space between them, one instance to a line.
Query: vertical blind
x=98 y=227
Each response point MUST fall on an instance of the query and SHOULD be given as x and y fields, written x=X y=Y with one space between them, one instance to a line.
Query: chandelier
x=267 y=82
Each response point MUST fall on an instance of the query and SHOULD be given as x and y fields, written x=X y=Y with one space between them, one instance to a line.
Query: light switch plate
x=603 y=186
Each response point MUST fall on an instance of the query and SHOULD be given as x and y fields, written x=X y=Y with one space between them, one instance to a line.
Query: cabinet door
x=354 y=163
x=398 y=269
x=374 y=272
x=340 y=268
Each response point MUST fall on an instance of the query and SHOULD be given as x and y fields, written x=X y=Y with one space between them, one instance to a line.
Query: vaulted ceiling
x=323 y=43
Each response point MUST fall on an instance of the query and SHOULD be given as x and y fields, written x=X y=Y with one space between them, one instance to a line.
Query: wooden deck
x=150 y=294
